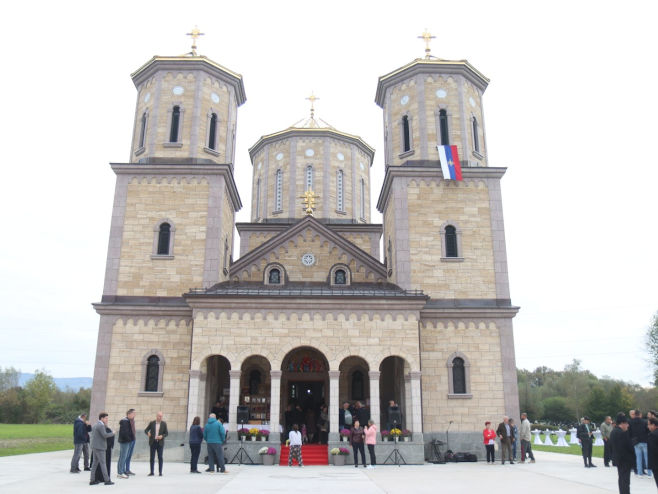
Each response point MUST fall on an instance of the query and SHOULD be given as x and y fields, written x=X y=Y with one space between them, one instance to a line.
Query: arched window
x=476 y=141
x=458 y=376
x=363 y=200
x=164 y=237
x=254 y=382
x=212 y=134
x=406 y=134
x=175 y=121
x=152 y=374
x=357 y=385
x=258 y=198
x=340 y=204
x=142 y=131
x=309 y=177
x=340 y=278
x=274 y=277
x=451 y=241
x=443 y=127
x=278 y=192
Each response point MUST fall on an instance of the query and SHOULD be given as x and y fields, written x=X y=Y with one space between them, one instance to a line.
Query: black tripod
x=395 y=456
x=242 y=453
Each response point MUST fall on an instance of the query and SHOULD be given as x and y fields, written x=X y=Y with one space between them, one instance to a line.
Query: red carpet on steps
x=312 y=454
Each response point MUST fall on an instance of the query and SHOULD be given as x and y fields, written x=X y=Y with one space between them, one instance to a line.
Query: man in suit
x=623 y=453
x=99 y=437
x=506 y=435
x=584 y=434
x=126 y=437
x=652 y=446
x=156 y=431
x=81 y=430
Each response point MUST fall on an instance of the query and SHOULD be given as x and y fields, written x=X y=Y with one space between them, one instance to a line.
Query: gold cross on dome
x=427 y=37
x=195 y=34
x=309 y=201
x=312 y=98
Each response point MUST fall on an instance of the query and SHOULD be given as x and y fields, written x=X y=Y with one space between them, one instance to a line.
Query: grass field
x=573 y=449
x=20 y=439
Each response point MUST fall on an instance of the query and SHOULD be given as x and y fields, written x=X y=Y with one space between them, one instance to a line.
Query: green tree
x=39 y=392
x=9 y=378
x=597 y=405
x=652 y=346
x=619 y=400
x=557 y=410
x=12 y=406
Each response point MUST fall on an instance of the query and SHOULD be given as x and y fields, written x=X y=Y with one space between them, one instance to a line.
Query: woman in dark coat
x=196 y=438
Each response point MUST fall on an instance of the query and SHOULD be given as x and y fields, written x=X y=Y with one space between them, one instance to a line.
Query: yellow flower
x=254 y=431
x=395 y=432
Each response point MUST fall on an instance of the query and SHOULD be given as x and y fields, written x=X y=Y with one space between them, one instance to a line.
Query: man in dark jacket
x=584 y=434
x=506 y=435
x=156 y=431
x=126 y=437
x=81 y=430
x=637 y=428
x=652 y=446
x=623 y=454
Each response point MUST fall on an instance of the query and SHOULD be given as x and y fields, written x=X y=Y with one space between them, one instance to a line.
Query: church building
x=320 y=305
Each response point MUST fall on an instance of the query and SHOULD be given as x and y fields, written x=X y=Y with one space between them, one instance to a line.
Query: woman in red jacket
x=489 y=442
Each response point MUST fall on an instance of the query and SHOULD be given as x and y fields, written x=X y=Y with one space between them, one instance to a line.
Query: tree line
x=39 y=401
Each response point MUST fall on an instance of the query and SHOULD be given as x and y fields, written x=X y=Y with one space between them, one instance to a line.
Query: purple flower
x=345 y=432
x=271 y=451
x=264 y=432
x=344 y=451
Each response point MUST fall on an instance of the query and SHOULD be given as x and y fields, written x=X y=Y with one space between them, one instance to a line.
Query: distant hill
x=73 y=383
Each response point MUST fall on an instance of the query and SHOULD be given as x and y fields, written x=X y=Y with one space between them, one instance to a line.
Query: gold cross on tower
x=427 y=37
x=312 y=98
x=309 y=201
x=195 y=34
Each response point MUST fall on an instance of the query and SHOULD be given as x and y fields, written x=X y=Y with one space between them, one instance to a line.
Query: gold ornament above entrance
x=306 y=364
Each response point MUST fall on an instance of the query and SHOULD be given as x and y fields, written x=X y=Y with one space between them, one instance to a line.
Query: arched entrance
x=392 y=388
x=218 y=384
x=304 y=388
x=255 y=384
x=354 y=386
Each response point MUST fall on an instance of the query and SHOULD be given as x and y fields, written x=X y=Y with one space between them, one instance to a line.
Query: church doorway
x=218 y=385
x=392 y=388
x=255 y=380
x=354 y=387
x=304 y=389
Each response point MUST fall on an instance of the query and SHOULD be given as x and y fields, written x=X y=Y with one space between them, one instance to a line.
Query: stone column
x=234 y=399
x=374 y=398
x=193 y=397
x=333 y=405
x=275 y=402
x=408 y=413
x=416 y=421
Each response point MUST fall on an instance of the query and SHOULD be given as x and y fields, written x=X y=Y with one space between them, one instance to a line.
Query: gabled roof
x=361 y=257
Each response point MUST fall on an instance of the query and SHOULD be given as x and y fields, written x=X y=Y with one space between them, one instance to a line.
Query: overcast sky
x=570 y=110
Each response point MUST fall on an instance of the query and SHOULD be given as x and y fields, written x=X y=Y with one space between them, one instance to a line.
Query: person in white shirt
x=295 y=438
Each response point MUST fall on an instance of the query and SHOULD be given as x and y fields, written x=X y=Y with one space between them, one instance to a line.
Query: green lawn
x=20 y=439
x=573 y=449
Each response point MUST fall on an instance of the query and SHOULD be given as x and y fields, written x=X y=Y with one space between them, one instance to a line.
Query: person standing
x=126 y=437
x=524 y=436
x=637 y=427
x=584 y=433
x=131 y=445
x=80 y=443
x=99 y=437
x=623 y=454
x=108 y=458
x=652 y=446
x=295 y=438
x=196 y=438
x=345 y=417
x=357 y=435
x=606 y=429
x=323 y=425
x=489 y=442
x=156 y=432
x=506 y=435
x=371 y=441
x=215 y=435
x=515 y=435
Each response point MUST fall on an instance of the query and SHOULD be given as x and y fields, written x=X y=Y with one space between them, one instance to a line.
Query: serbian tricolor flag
x=449 y=159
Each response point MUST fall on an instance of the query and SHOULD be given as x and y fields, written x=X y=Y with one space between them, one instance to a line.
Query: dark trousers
x=526 y=449
x=196 y=450
x=216 y=456
x=371 y=452
x=586 y=445
x=491 y=452
x=506 y=449
x=99 y=461
x=624 y=474
x=324 y=437
x=356 y=447
x=156 y=446
x=607 y=453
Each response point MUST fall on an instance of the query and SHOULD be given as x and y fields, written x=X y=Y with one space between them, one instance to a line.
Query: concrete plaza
x=553 y=473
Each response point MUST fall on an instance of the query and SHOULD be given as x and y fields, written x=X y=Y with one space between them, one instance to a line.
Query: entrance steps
x=312 y=454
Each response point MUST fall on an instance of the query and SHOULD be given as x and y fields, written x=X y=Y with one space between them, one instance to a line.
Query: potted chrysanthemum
x=344 y=435
x=267 y=454
x=253 y=432
x=263 y=435
x=339 y=455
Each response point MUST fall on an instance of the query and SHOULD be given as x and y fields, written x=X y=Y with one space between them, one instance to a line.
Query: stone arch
x=214 y=383
x=393 y=387
x=255 y=386
x=459 y=376
x=354 y=382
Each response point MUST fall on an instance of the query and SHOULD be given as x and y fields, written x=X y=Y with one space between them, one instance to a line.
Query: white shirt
x=295 y=438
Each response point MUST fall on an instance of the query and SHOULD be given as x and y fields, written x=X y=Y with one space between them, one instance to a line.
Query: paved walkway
x=553 y=473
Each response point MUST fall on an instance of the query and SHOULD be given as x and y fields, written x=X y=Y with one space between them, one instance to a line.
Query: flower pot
x=262 y=438
x=268 y=459
x=339 y=460
x=343 y=439
x=406 y=439
x=252 y=438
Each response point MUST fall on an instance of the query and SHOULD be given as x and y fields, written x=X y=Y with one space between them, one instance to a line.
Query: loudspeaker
x=394 y=416
x=243 y=414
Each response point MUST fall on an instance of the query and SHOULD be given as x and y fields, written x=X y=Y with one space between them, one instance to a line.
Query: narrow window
x=406 y=137
x=340 y=205
x=279 y=189
x=164 y=236
x=274 y=277
x=142 y=131
x=258 y=198
x=443 y=127
x=476 y=141
x=451 y=241
x=389 y=259
x=225 y=254
x=309 y=178
x=363 y=199
x=212 y=136
x=458 y=376
x=152 y=373
x=339 y=277
x=175 y=119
